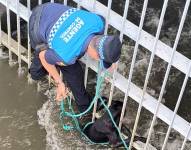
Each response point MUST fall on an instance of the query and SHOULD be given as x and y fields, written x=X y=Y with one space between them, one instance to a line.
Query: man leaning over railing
x=60 y=36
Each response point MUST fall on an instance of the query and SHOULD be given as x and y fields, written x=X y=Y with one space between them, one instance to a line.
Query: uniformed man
x=60 y=36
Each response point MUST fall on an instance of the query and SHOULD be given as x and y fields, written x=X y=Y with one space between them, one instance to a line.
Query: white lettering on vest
x=72 y=29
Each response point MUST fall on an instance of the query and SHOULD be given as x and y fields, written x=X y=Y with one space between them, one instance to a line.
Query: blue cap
x=109 y=49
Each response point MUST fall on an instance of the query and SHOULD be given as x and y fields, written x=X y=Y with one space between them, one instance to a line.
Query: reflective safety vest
x=69 y=34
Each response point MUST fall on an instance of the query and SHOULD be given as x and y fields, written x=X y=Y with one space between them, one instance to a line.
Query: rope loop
x=100 y=79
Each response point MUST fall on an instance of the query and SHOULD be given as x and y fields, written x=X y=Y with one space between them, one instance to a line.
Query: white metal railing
x=141 y=37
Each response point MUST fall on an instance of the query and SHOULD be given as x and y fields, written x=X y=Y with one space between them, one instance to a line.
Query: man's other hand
x=62 y=92
x=112 y=68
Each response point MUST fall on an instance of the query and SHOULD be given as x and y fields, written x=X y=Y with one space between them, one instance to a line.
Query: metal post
x=135 y=52
x=0 y=33
x=87 y=58
x=1 y=51
x=149 y=67
x=52 y=1
x=166 y=77
x=108 y=15
x=79 y=3
x=186 y=137
x=86 y=71
x=9 y=33
x=177 y=106
x=94 y=6
x=18 y=38
x=39 y=2
x=121 y=38
x=106 y=29
x=124 y=19
x=28 y=42
x=95 y=104
x=65 y=2
x=49 y=80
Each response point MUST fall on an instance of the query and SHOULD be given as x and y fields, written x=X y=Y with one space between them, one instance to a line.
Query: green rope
x=74 y=116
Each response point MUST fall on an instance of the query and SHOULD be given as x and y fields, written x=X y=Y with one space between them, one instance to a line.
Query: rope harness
x=64 y=113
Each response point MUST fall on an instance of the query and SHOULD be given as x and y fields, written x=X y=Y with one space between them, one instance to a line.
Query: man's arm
x=61 y=90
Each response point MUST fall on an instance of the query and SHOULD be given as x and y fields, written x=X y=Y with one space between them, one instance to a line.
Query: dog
x=103 y=129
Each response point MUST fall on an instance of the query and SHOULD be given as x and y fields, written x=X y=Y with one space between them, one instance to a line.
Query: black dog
x=103 y=129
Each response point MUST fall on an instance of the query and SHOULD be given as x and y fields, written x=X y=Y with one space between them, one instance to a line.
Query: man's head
x=107 y=49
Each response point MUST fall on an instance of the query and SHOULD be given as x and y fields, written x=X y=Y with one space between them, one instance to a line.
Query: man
x=61 y=35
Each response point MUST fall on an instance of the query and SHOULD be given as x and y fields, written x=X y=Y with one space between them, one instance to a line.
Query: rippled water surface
x=19 y=102
x=28 y=120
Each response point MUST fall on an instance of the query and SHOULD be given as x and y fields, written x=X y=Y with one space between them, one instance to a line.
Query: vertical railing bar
x=135 y=52
x=0 y=35
x=95 y=104
x=94 y=6
x=177 y=106
x=52 y=1
x=136 y=48
x=49 y=80
x=149 y=67
x=18 y=37
x=112 y=85
x=87 y=58
x=124 y=19
x=9 y=33
x=121 y=39
x=61 y=75
x=39 y=2
x=108 y=15
x=106 y=27
x=65 y=2
x=185 y=139
x=28 y=44
x=79 y=4
x=1 y=51
x=86 y=71
x=165 y=78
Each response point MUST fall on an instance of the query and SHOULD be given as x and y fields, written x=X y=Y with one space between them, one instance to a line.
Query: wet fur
x=103 y=130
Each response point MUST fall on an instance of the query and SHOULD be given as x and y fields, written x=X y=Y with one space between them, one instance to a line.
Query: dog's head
x=105 y=125
x=103 y=128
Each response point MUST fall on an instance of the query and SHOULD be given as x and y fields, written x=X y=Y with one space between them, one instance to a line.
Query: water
x=30 y=119
x=19 y=128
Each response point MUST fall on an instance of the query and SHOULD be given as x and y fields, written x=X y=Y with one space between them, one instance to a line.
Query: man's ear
x=93 y=53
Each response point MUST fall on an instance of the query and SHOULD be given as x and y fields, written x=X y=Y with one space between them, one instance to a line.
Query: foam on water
x=56 y=137
x=3 y=55
x=44 y=119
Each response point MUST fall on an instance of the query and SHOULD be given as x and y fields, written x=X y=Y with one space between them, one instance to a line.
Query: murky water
x=29 y=120
x=19 y=102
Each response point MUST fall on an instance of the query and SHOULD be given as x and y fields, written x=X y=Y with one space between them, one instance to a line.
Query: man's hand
x=61 y=89
x=112 y=68
x=61 y=92
x=111 y=71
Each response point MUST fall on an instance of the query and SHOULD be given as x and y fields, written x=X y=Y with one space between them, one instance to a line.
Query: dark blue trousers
x=73 y=74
